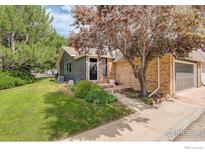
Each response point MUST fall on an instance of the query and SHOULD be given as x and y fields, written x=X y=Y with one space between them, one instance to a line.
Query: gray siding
x=78 y=68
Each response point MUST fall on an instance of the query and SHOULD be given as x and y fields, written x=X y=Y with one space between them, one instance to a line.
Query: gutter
x=158 y=79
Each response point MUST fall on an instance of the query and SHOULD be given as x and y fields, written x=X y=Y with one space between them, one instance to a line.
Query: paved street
x=197 y=130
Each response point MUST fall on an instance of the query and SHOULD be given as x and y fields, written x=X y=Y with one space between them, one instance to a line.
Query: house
x=167 y=73
x=85 y=66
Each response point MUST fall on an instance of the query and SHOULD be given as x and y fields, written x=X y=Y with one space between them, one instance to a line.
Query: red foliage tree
x=143 y=32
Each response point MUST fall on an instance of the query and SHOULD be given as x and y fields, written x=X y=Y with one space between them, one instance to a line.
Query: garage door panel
x=184 y=76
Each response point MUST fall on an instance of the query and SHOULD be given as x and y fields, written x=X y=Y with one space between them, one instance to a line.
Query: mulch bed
x=136 y=94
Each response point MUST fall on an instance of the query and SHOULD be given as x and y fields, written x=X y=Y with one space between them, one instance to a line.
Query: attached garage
x=185 y=75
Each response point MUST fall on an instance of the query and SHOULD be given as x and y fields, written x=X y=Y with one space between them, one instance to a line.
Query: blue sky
x=62 y=18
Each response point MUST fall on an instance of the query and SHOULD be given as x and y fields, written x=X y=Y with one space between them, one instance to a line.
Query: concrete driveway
x=147 y=123
x=192 y=96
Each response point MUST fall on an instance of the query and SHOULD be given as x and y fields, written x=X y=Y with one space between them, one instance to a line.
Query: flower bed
x=155 y=99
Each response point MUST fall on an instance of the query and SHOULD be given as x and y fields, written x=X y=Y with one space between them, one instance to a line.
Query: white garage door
x=203 y=74
x=184 y=76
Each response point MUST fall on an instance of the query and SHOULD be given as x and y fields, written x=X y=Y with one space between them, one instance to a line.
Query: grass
x=46 y=110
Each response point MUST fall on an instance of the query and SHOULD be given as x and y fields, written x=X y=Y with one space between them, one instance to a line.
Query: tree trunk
x=142 y=81
x=12 y=41
x=140 y=73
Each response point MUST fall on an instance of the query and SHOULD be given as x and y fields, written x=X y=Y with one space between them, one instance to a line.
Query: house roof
x=70 y=50
x=93 y=54
x=119 y=57
x=73 y=53
x=196 y=55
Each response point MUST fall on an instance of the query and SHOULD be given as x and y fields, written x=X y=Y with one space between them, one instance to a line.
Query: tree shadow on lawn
x=58 y=119
x=68 y=115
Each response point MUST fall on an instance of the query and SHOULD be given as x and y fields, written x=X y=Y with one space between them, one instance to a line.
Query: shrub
x=8 y=82
x=23 y=75
x=11 y=79
x=99 y=96
x=91 y=92
x=131 y=95
x=72 y=88
x=148 y=100
x=82 y=88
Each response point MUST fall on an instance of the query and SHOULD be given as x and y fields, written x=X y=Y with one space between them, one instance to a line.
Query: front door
x=93 y=69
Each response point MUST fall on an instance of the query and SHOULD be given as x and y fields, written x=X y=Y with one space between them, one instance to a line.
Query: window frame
x=68 y=70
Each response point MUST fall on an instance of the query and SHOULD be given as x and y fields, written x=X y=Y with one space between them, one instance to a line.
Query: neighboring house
x=174 y=74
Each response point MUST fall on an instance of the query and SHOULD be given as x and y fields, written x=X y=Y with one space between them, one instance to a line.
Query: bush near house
x=100 y=96
x=9 y=79
x=148 y=101
x=92 y=93
x=82 y=88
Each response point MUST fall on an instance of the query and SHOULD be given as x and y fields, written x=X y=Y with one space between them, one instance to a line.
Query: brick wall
x=110 y=71
x=124 y=74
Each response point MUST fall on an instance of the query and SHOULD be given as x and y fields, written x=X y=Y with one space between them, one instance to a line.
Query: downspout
x=158 y=79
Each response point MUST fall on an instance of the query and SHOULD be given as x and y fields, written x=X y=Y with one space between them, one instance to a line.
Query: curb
x=182 y=125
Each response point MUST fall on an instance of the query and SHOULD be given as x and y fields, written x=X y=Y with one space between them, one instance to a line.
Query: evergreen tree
x=27 y=38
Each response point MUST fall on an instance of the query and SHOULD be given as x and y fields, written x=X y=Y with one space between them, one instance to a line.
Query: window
x=104 y=66
x=67 y=68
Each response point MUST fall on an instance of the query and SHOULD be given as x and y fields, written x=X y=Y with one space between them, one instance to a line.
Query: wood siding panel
x=78 y=68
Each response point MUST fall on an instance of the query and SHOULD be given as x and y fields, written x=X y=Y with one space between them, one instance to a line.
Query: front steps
x=106 y=85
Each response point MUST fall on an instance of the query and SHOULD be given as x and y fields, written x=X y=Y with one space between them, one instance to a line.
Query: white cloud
x=62 y=20
x=66 y=8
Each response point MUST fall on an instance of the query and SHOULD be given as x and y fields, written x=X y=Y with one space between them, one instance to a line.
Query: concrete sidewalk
x=147 y=124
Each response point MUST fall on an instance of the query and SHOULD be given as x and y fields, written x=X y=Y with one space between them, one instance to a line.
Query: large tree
x=27 y=38
x=11 y=23
x=139 y=32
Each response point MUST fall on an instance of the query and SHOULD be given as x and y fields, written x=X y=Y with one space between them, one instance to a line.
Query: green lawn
x=47 y=110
